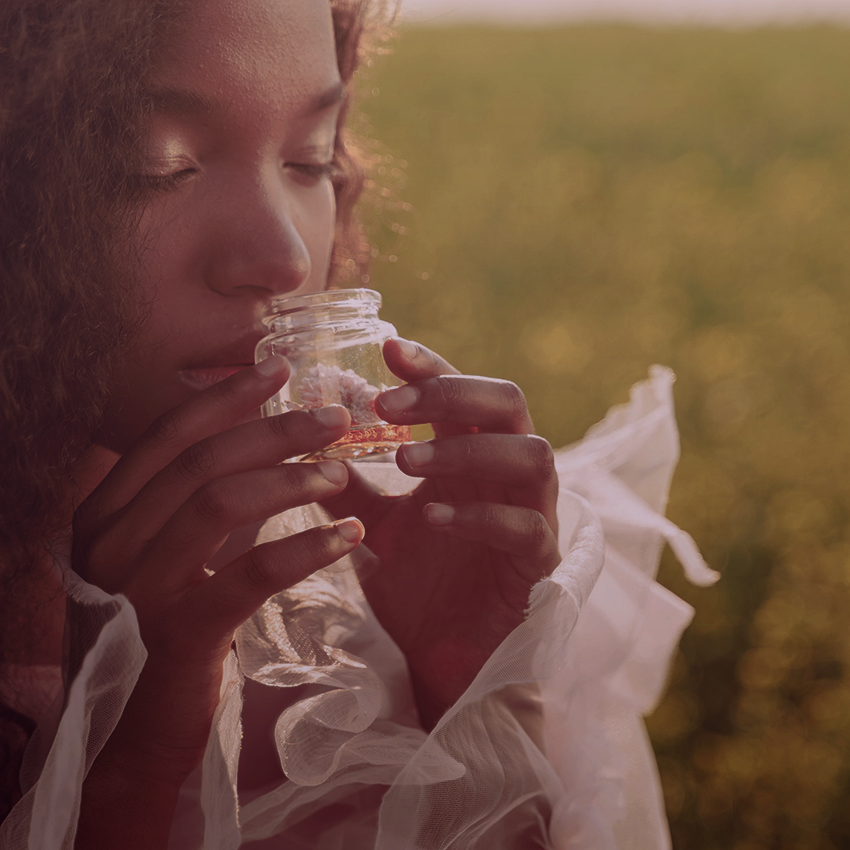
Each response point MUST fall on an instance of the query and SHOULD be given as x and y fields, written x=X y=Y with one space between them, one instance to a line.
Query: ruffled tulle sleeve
x=546 y=748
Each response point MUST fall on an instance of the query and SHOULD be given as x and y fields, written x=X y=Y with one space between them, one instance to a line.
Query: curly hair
x=72 y=108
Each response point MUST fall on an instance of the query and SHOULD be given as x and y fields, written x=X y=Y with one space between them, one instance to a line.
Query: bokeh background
x=565 y=206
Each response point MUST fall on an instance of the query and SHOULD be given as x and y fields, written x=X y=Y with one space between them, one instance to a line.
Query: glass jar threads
x=334 y=343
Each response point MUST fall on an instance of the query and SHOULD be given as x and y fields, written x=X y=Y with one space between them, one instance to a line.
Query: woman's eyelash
x=316 y=170
x=164 y=181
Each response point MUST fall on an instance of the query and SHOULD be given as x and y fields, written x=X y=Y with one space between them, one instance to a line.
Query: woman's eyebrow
x=185 y=102
x=182 y=102
x=330 y=97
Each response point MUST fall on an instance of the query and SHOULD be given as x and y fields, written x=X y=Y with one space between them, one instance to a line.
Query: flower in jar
x=323 y=385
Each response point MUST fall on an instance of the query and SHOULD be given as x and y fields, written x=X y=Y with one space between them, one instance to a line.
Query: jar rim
x=295 y=303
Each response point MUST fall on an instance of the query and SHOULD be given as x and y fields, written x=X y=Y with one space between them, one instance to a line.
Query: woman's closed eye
x=161 y=176
x=312 y=168
x=168 y=181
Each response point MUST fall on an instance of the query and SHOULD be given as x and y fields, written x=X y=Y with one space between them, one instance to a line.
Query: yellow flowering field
x=566 y=207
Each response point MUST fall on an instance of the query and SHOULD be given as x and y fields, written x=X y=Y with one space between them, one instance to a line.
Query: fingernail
x=270 y=366
x=330 y=417
x=439 y=514
x=418 y=454
x=350 y=530
x=334 y=471
x=399 y=400
x=407 y=348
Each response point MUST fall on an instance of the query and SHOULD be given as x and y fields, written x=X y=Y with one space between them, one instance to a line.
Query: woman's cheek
x=318 y=227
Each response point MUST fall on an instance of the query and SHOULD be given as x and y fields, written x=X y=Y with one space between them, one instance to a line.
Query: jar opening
x=364 y=300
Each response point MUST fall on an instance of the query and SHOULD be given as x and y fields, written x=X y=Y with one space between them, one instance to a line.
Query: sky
x=723 y=12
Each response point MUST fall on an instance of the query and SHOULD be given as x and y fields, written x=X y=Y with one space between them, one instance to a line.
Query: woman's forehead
x=225 y=49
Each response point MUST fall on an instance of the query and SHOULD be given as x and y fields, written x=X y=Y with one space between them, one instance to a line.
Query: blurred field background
x=566 y=207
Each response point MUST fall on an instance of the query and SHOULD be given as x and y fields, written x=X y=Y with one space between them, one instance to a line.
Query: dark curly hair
x=72 y=107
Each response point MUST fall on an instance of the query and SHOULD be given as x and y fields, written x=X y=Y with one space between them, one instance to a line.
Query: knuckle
x=292 y=483
x=197 y=461
x=489 y=516
x=301 y=478
x=321 y=547
x=212 y=503
x=222 y=395
x=282 y=426
x=515 y=398
x=165 y=429
x=449 y=391
x=538 y=533
x=257 y=573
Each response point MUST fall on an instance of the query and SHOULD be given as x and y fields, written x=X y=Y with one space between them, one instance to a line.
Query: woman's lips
x=206 y=376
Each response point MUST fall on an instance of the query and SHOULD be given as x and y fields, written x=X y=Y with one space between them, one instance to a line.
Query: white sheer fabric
x=546 y=748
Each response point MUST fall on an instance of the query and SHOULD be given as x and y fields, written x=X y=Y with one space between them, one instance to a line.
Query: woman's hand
x=151 y=526
x=459 y=555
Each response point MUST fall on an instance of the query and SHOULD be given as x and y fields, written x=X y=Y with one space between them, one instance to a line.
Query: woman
x=176 y=167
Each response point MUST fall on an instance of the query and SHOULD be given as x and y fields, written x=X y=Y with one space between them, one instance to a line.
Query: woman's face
x=247 y=95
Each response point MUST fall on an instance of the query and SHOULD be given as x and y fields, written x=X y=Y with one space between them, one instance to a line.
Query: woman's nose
x=258 y=248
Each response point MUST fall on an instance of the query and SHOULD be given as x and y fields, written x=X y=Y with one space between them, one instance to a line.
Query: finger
x=521 y=532
x=513 y=460
x=487 y=404
x=523 y=463
x=195 y=533
x=412 y=361
x=225 y=600
x=208 y=412
x=254 y=445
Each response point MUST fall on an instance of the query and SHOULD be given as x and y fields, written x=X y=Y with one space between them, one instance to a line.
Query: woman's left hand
x=459 y=555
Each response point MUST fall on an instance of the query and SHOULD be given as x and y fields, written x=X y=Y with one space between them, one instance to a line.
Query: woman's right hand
x=148 y=530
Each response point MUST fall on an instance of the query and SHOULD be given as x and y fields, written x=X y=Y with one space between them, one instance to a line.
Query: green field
x=564 y=208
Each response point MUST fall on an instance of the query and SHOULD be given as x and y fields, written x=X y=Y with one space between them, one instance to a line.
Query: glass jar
x=334 y=343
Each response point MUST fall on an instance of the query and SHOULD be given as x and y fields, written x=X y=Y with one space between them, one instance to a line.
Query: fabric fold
x=546 y=748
